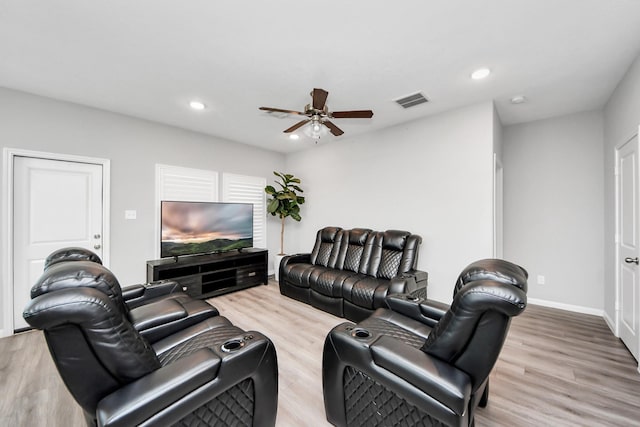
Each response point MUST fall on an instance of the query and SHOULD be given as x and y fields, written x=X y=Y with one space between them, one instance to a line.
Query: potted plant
x=285 y=202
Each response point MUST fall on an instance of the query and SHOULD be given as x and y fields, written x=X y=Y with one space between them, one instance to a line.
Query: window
x=248 y=189
x=183 y=184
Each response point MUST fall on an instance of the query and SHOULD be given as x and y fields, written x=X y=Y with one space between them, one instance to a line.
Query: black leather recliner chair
x=155 y=310
x=211 y=373
x=423 y=363
x=133 y=295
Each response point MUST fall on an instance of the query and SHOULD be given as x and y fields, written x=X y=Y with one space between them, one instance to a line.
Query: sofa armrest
x=296 y=259
x=421 y=277
x=292 y=259
x=416 y=306
x=143 y=398
x=137 y=295
x=158 y=313
x=132 y=292
x=445 y=383
x=408 y=282
x=433 y=309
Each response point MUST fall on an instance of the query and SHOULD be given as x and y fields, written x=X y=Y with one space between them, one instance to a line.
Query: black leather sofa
x=209 y=373
x=421 y=362
x=349 y=273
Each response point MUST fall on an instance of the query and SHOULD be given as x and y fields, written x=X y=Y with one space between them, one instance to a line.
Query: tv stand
x=206 y=276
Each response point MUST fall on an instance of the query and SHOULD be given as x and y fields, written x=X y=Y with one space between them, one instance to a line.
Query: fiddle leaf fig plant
x=285 y=200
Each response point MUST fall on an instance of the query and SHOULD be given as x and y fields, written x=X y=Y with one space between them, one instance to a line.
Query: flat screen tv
x=191 y=228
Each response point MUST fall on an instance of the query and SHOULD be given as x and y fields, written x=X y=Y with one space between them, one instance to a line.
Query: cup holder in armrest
x=232 y=345
x=414 y=298
x=360 y=333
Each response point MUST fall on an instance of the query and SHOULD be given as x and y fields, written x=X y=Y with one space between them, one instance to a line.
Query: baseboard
x=610 y=323
x=567 y=307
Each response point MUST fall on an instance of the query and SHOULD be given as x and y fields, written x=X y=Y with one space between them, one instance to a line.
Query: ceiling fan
x=318 y=114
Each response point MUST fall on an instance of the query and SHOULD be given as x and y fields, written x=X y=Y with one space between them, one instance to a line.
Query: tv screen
x=190 y=228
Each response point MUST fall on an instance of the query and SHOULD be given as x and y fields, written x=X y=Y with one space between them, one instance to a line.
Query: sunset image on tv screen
x=197 y=227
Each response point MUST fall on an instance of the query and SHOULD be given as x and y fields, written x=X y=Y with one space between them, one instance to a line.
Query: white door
x=56 y=204
x=628 y=246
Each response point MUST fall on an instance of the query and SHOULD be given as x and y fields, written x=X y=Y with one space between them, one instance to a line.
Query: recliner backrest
x=66 y=275
x=71 y=254
x=326 y=246
x=352 y=249
x=391 y=253
x=471 y=333
x=94 y=346
x=493 y=269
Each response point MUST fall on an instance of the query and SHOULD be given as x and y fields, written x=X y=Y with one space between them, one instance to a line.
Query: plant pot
x=276 y=265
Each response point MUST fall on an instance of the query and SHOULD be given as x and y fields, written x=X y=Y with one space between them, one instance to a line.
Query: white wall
x=134 y=147
x=621 y=121
x=553 y=175
x=432 y=177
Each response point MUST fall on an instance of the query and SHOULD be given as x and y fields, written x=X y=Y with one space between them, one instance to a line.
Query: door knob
x=96 y=246
x=630 y=260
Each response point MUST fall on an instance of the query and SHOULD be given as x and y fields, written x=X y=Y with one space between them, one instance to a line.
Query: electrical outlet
x=130 y=214
x=540 y=279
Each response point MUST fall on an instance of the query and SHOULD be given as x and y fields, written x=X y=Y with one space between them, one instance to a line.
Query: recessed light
x=197 y=105
x=480 y=73
x=294 y=136
x=518 y=99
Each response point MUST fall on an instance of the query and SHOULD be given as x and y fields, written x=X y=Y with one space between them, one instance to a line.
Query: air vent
x=412 y=100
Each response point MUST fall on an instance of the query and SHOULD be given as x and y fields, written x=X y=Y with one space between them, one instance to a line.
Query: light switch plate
x=130 y=214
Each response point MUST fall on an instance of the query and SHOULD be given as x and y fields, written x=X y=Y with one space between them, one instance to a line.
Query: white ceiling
x=149 y=58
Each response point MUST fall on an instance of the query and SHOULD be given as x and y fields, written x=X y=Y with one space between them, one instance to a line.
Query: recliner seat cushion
x=298 y=274
x=330 y=281
x=207 y=334
x=363 y=292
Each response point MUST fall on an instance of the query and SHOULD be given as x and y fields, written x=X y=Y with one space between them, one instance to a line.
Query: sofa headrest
x=358 y=236
x=328 y=234
x=394 y=239
x=71 y=254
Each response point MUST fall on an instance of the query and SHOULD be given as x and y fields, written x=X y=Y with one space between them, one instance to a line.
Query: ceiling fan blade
x=319 y=98
x=297 y=125
x=358 y=114
x=278 y=110
x=333 y=128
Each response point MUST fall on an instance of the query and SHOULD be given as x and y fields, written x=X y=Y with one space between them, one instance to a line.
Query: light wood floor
x=556 y=369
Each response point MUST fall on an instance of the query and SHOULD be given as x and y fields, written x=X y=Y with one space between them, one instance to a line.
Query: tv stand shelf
x=205 y=276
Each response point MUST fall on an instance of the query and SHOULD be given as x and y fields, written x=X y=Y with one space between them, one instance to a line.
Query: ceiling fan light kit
x=317 y=115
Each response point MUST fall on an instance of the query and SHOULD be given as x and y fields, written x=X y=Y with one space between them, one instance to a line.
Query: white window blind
x=186 y=184
x=248 y=189
x=183 y=184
